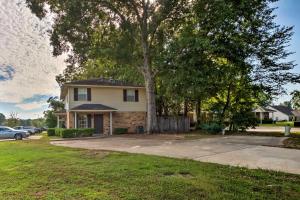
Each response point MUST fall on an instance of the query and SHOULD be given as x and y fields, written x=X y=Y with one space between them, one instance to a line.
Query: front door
x=98 y=123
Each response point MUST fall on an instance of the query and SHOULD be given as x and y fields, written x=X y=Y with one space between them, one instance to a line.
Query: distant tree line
x=13 y=120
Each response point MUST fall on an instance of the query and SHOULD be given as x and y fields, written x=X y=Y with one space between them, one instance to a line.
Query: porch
x=95 y=116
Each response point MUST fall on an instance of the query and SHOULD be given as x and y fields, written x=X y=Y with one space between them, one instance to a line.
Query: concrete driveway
x=246 y=151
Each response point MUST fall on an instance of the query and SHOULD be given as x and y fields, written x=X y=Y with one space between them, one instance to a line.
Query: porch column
x=110 y=123
x=261 y=117
x=75 y=119
x=57 y=125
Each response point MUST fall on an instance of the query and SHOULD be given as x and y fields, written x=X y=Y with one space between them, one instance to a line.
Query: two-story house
x=103 y=104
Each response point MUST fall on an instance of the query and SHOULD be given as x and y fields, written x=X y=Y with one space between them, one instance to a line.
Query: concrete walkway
x=246 y=151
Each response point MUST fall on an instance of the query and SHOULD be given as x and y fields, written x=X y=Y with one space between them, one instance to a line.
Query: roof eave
x=91 y=85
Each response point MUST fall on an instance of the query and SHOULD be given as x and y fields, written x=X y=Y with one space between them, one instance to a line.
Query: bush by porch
x=71 y=133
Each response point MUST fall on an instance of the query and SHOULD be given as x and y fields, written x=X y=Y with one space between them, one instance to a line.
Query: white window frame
x=82 y=94
x=82 y=121
x=130 y=95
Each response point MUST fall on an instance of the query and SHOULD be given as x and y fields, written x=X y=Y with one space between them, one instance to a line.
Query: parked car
x=30 y=129
x=10 y=133
x=37 y=130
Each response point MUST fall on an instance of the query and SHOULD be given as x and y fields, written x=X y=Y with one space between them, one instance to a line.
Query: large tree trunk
x=198 y=112
x=147 y=72
x=151 y=104
x=185 y=111
x=150 y=88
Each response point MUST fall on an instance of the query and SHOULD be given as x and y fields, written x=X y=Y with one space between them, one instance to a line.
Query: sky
x=28 y=69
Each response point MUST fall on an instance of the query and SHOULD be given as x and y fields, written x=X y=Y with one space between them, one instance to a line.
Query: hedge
x=51 y=131
x=213 y=127
x=72 y=132
x=121 y=130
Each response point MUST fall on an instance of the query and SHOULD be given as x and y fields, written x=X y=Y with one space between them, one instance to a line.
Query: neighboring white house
x=282 y=113
x=263 y=113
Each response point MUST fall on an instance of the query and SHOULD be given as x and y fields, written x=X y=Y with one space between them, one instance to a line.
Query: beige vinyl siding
x=112 y=97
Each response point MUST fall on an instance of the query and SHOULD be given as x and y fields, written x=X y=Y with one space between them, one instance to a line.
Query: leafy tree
x=39 y=122
x=13 y=120
x=50 y=119
x=235 y=53
x=295 y=101
x=287 y=104
x=2 y=119
x=126 y=32
x=55 y=105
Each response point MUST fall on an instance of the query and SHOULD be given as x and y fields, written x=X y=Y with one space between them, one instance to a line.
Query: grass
x=37 y=170
x=291 y=124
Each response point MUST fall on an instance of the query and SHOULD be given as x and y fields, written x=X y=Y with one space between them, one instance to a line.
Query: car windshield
x=10 y=128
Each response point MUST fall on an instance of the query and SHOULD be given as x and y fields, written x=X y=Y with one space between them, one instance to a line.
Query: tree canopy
x=225 y=56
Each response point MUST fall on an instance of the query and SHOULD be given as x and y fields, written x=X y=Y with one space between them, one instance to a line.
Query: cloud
x=31 y=106
x=26 y=62
x=6 y=73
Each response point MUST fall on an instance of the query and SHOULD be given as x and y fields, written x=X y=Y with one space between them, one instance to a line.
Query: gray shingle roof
x=92 y=107
x=284 y=109
x=104 y=82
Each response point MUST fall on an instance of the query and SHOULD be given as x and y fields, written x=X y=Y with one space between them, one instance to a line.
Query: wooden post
x=75 y=119
x=110 y=123
x=57 y=125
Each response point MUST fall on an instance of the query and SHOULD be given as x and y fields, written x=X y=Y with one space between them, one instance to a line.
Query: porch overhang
x=93 y=108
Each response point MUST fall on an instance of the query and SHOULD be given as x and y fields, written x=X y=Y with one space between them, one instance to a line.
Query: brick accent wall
x=70 y=120
x=129 y=120
x=106 y=123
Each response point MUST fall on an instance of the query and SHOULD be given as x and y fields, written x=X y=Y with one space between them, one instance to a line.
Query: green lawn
x=37 y=170
x=291 y=124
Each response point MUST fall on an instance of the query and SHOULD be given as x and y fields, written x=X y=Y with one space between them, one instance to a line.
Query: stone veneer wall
x=129 y=120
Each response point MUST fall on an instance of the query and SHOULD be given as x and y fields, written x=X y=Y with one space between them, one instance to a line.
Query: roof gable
x=284 y=109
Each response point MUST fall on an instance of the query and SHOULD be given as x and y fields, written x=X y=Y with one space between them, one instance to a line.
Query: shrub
x=68 y=133
x=72 y=132
x=265 y=121
x=51 y=132
x=121 y=130
x=85 y=132
x=58 y=132
x=212 y=127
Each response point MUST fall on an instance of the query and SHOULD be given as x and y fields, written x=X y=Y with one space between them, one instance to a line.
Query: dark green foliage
x=213 y=127
x=85 y=132
x=51 y=131
x=295 y=100
x=2 y=119
x=55 y=105
x=243 y=120
x=73 y=133
x=68 y=133
x=265 y=121
x=120 y=131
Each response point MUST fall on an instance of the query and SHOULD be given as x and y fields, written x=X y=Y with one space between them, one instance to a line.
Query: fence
x=174 y=124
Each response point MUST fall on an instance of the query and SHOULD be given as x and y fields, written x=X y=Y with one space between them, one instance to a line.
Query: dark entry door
x=98 y=123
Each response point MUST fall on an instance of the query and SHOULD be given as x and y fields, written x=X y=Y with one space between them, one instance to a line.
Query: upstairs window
x=130 y=95
x=82 y=94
